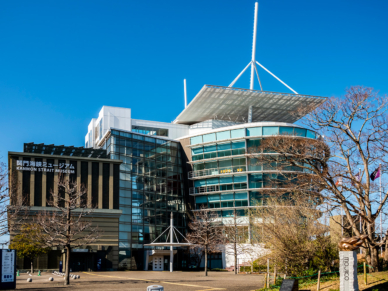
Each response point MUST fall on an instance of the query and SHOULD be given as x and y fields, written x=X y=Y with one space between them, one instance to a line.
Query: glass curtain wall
x=151 y=187
x=224 y=177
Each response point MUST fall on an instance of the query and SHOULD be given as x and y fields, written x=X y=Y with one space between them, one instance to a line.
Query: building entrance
x=157 y=263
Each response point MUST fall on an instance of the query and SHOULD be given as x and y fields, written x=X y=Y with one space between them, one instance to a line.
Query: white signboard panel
x=7 y=266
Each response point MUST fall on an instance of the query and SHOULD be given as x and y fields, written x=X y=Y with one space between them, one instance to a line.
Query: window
x=256 y=181
x=254 y=165
x=227 y=213
x=253 y=145
x=241 y=199
x=209 y=137
x=270 y=130
x=254 y=131
x=286 y=130
x=150 y=130
x=255 y=199
x=300 y=131
x=224 y=150
x=213 y=181
x=214 y=201
x=196 y=140
x=237 y=133
x=210 y=151
x=200 y=201
x=226 y=200
x=223 y=135
x=238 y=147
x=310 y=134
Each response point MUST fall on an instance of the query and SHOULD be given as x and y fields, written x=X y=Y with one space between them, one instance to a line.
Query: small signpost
x=8 y=269
x=289 y=285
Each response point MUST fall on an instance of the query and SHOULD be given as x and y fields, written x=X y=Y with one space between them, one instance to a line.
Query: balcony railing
x=218 y=187
x=217 y=171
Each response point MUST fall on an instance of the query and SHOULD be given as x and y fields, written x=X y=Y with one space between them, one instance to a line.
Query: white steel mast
x=253 y=61
x=185 y=91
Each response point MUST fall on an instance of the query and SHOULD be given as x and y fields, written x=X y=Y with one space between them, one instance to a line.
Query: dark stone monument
x=289 y=285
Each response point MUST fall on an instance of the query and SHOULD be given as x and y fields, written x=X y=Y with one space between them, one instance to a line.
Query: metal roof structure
x=229 y=103
x=61 y=150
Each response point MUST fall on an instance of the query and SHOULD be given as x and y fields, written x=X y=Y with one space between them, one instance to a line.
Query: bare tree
x=353 y=143
x=236 y=238
x=205 y=232
x=65 y=223
x=291 y=230
x=13 y=210
x=4 y=199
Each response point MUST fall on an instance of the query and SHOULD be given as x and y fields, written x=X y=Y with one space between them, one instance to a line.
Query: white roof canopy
x=229 y=103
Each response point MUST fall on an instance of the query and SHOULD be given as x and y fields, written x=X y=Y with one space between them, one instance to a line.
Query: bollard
x=274 y=275
x=39 y=273
x=319 y=280
x=155 y=288
x=365 y=278
x=17 y=273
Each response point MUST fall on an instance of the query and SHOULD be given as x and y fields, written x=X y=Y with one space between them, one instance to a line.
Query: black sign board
x=289 y=285
x=7 y=269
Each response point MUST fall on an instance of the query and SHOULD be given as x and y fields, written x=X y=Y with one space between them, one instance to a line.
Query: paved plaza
x=139 y=280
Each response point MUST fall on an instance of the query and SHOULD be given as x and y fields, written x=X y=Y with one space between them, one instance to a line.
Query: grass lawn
x=376 y=282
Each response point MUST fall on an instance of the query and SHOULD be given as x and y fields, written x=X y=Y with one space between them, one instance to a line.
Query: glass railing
x=217 y=171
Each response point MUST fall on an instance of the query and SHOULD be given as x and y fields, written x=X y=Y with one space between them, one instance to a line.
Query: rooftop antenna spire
x=185 y=91
x=253 y=61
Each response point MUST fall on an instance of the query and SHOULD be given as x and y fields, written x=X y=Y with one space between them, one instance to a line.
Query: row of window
x=259 y=180
x=252 y=131
x=150 y=130
x=117 y=135
x=222 y=200
x=233 y=200
x=157 y=188
x=237 y=165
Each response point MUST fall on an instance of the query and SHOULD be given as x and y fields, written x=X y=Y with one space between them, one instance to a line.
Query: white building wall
x=89 y=137
x=120 y=118
x=246 y=253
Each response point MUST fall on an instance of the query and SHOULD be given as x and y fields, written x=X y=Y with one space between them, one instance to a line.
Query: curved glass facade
x=225 y=176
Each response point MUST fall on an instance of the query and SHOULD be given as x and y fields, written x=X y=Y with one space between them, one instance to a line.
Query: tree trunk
x=67 y=273
x=206 y=261
x=371 y=257
x=32 y=266
x=375 y=258
x=386 y=248
x=235 y=257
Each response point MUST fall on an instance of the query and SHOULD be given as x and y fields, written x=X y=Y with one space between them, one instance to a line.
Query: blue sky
x=61 y=61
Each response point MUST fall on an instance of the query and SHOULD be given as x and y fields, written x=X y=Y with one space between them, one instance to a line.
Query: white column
x=250 y=114
x=171 y=241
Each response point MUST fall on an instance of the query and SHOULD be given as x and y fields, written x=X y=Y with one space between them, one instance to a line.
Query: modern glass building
x=152 y=185
x=203 y=159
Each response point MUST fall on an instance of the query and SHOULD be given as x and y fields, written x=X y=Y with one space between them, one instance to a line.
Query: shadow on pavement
x=380 y=287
